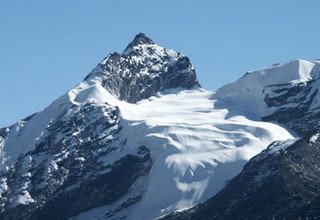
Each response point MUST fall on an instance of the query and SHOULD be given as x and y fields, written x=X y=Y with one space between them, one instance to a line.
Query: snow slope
x=195 y=147
x=196 y=143
x=247 y=93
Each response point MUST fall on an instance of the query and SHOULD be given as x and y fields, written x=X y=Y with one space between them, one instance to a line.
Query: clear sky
x=47 y=47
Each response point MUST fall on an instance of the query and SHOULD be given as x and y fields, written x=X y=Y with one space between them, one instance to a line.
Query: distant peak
x=139 y=39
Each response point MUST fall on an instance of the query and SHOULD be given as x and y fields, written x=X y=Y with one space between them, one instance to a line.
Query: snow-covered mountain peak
x=139 y=39
x=118 y=147
x=143 y=70
x=90 y=140
x=292 y=72
x=249 y=92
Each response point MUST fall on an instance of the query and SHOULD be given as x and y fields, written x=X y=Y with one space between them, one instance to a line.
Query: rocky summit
x=139 y=138
x=144 y=69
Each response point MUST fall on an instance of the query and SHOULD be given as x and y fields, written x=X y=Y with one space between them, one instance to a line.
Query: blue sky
x=47 y=47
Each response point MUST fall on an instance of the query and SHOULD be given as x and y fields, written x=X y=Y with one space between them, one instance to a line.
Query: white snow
x=3 y=185
x=150 y=54
x=195 y=147
x=314 y=138
x=23 y=198
x=278 y=146
x=29 y=132
x=247 y=92
x=316 y=75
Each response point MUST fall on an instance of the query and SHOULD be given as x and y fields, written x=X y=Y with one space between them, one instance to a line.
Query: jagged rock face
x=3 y=135
x=76 y=166
x=296 y=106
x=281 y=182
x=143 y=70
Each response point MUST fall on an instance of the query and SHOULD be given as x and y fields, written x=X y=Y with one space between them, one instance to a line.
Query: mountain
x=282 y=182
x=287 y=94
x=143 y=70
x=139 y=138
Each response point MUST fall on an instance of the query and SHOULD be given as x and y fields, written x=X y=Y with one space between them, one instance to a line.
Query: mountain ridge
x=176 y=143
x=144 y=69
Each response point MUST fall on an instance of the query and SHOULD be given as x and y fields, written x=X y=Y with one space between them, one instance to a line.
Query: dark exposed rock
x=81 y=162
x=293 y=104
x=287 y=94
x=140 y=38
x=77 y=160
x=103 y=190
x=3 y=132
x=68 y=172
x=143 y=70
